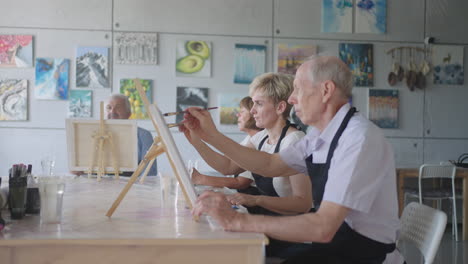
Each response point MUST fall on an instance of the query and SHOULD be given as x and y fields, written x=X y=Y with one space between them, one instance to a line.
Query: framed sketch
x=173 y=154
x=80 y=144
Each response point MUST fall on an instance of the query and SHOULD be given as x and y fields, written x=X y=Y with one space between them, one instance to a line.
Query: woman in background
x=246 y=124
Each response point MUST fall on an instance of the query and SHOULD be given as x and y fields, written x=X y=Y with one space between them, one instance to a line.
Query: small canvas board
x=80 y=144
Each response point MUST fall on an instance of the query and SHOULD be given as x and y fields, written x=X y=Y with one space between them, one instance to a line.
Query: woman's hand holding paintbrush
x=199 y=121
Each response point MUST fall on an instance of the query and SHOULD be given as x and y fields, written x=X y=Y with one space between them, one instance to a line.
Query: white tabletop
x=141 y=219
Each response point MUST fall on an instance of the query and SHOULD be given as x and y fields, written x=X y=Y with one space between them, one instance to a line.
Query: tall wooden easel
x=157 y=148
x=100 y=137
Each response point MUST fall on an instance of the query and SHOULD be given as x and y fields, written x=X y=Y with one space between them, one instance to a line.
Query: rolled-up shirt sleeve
x=294 y=155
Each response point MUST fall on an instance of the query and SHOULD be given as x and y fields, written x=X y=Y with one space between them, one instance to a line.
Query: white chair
x=423 y=227
x=440 y=192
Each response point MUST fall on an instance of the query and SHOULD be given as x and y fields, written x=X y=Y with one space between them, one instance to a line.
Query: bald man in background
x=118 y=107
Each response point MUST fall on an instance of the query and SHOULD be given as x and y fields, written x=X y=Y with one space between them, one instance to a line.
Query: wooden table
x=414 y=173
x=142 y=230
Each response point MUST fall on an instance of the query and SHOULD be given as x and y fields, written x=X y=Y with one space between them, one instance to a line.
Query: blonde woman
x=280 y=195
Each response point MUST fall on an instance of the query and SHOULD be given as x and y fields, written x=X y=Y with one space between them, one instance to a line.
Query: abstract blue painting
x=52 y=79
x=371 y=16
x=337 y=16
x=249 y=62
x=359 y=58
x=448 y=65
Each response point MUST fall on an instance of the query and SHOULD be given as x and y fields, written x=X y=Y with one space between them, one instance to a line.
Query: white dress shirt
x=361 y=175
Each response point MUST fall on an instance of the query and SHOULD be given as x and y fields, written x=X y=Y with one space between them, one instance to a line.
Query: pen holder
x=33 y=201
x=17 y=196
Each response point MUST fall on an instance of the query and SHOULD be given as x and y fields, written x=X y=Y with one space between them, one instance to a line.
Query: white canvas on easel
x=80 y=144
x=174 y=157
x=163 y=143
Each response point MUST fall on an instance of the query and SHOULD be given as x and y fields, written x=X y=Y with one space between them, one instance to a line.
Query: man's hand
x=216 y=206
x=199 y=122
x=243 y=199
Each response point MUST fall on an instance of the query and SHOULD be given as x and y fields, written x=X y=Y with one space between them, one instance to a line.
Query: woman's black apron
x=347 y=246
x=265 y=184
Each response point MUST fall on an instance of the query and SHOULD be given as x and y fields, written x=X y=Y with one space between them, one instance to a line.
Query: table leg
x=400 y=193
x=465 y=209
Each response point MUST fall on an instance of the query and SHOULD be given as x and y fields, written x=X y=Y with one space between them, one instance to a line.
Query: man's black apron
x=265 y=184
x=347 y=246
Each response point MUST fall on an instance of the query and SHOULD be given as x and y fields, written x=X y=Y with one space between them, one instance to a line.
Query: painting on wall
x=249 y=62
x=229 y=107
x=337 y=16
x=359 y=58
x=193 y=58
x=16 y=51
x=448 y=65
x=291 y=56
x=80 y=103
x=52 y=79
x=92 y=67
x=128 y=88
x=383 y=107
x=190 y=96
x=13 y=100
x=371 y=16
x=136 y=48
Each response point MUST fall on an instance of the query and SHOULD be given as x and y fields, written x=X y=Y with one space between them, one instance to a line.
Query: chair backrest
x=428 y=171
x=422 y=226
x=437 y=171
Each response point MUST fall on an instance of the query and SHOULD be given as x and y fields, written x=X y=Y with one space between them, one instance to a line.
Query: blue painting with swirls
x=337 y=16
x=371 y=16
x=52 y=79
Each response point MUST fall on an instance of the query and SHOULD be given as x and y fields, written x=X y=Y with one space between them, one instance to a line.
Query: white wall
x=432 y=122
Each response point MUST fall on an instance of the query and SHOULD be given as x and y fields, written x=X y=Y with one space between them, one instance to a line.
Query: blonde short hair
x=276 y=86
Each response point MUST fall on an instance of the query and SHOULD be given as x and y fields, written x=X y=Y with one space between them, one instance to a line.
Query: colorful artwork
x=359 y=58
x=128 y=88
x=190 y=96
x=448 y=65
x=52 y=79
x=193 y=58
x=80 y=103
x=16 y=51
x=229 y=104
x=371 y=16
x=291 y=56
x=92 y=67
x=337 y=16
x=250 y=62
x=13 y=100
x=383 y=108
x=136 y=48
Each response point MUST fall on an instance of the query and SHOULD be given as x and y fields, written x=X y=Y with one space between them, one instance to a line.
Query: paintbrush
x=183 y=112
x=174 y=124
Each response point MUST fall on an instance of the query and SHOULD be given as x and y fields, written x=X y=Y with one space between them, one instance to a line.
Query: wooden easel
x=100 y=137
x=157 y=148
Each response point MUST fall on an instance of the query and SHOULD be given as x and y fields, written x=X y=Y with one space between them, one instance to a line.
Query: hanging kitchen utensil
x=426 y=67
x=392 y=76
x=400 y=72
x=411 y=74
x=420 y=77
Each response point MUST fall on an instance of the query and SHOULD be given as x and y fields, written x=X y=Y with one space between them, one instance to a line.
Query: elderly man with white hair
x=348 y=160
